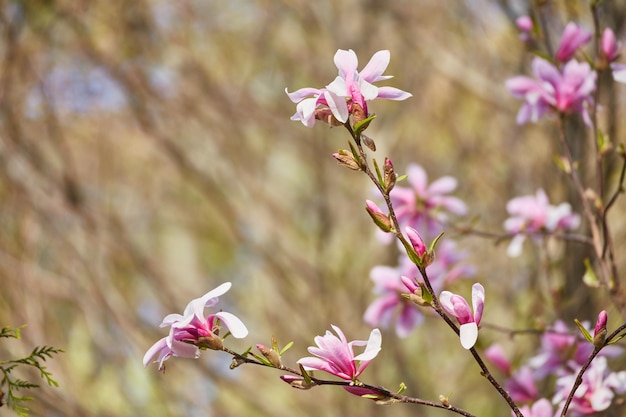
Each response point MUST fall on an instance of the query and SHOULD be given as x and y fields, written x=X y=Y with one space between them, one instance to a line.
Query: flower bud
x=599 y=333
x=346 y=159
x=524 y=23
x=416 y=241
x=271 y=355
x=609 y=46
x=380 y=219
x=210 y=342
x=389 y=175
x=297 y=381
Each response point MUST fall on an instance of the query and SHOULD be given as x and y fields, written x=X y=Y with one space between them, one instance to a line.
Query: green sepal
x=402 y=177
x=434 y=242
x=285 y=349
x=377 y=168
x=616 y=339
x=584 y=331
x=426 y=295
x=590 y=278
x=305 y=375
x=362 y=125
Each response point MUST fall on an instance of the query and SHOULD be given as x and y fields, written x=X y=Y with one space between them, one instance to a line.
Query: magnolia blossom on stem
x=573 y=38
x=335 y=355
x=348 y=93
x=192 y=330
x=598 y=388
x=540 y=408
x=568 y=90
x=468 y=319
x=534 y=214
x=422 y=206
x=391 y=282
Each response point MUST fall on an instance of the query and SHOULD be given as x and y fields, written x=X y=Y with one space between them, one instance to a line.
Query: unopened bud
x=210 y=342
x=358 y=114
x=346 y=159
x=389 y=175
x=416 y=241
x=369 y=142
x=326 y=116
x=297 y=381
x=380 y=219
x=599 y=333
x=444 y=400
x=271 y=355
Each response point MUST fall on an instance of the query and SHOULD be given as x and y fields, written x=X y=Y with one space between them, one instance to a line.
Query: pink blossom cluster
x=193 y=331
x=348 y=93
x=556 y=364
x=391 y=282
x=532 y=215
x=564 y=87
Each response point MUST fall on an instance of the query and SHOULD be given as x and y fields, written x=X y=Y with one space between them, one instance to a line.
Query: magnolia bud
x=389 y=175
x=210 y=342
x=271 y=355
x=380 y=219
x=599 y=333
x=346 y=159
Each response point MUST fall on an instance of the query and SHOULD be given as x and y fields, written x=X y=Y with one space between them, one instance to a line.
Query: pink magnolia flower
x=573 y=38
x=597 y=390
x=541 y=408
x=534 y=214
x=349 y=88
x=192 y=330
x=422 y=206
x=524 y=23
x=496 y=355
x=391 y=282
x=568 y=90
x=468 y=319
x=522 y=386
x=335 y=355
x=609 y=45
x=619 y=72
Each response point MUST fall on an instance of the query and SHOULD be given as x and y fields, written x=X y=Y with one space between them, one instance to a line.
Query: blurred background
x=146 y=156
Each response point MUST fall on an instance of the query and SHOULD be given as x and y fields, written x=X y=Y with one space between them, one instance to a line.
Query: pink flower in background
x=573 y=38
x=349 y=88
x=522 y=386
x=192 y=328
x=496 y=355
x=568 y=90
x=534 y=214
x=524 y=23
x=619 y=72
x=597 y=390
x=609 y=45
x=541 y=408
x=422 y=206
x=468 y=319
x=446 y=268
x=335 y=355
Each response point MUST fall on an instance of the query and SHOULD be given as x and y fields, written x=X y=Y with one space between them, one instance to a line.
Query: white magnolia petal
x=234 y=324
x=468 y=334
x=373 y=347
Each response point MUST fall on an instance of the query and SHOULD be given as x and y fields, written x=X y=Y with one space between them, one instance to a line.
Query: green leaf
x=362 y=125
x=590 y=278
x=286 y=348
x=402 y=177
x=377 y=168
x=584 y=331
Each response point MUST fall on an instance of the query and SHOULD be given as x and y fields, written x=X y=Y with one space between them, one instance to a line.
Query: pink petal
x=376 y=66
x=478 y=301
x=346 y=62
x=392 y=93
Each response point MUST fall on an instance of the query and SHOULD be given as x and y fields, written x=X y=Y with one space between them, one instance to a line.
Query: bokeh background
x=146 y=156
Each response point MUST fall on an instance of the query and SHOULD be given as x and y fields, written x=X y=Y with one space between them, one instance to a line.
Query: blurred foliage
x=146 y=155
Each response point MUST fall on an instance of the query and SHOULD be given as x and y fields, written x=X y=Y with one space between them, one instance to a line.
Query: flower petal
x=234 y=324
x=478 y=301
x=376 y=66
x=468 y=333
x=372 y=348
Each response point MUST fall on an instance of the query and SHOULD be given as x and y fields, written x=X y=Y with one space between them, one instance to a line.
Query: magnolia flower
x=468 y=319
x=422 y=206
x=192 y=330
x=335 y=355
x=350 y=88
x=573 y=38
x=522 y=386
x=619 y=72
x=541 y=408
x=534 y=214
x=391 y=282
x=597 y=390
x=567 y=90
